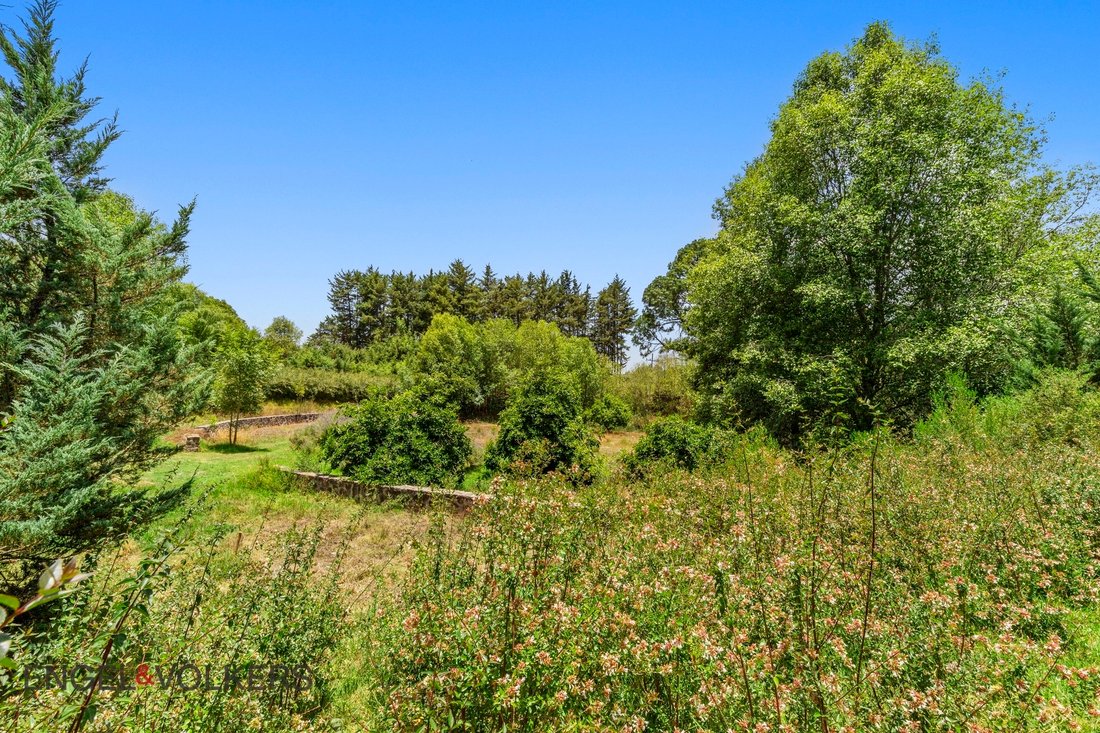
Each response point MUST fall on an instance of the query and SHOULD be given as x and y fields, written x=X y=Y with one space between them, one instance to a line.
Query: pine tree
x=466 y=298
x=572 y=306
x=613 y=318
x=541 y=296
x=492 y=305
x=59 y=106
x=343 y=297
x=515 y=305
x=374 y=323
x=405 y=301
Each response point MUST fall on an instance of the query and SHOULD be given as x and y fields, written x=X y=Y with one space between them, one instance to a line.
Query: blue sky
x=592 y=136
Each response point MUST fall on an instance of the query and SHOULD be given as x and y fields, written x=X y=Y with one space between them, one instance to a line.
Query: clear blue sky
x=592 y=136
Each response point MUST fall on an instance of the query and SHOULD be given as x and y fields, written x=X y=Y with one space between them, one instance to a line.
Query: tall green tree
x=612 y=320
x=282 y=335
x=660 y=324
x=94 y=366
x=467 y=298
x=573 y=306
x=515 y=304
x=244 y=367
x=868 y=251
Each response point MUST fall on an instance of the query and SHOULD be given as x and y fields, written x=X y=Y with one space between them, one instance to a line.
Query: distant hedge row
x=324 y=385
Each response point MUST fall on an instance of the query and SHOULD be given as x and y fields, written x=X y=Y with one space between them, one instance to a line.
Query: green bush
x=1061 y=408
x=477 y=367
x=404 y=439
x=609 y=412
x=542 y=431
x=672 y=441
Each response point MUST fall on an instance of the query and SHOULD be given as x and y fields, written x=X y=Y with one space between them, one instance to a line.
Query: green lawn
x=240 y=489
x=219 y=462
x=245 y=499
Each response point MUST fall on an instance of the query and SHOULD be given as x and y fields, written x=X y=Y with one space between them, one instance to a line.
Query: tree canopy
x=870 y=249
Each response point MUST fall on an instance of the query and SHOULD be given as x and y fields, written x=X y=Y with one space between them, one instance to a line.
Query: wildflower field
x=947 y=582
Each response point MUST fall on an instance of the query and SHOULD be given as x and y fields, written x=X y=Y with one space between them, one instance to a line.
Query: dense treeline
x=370 y=306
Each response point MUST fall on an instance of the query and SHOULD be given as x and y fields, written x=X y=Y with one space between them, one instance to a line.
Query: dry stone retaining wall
x=342 y=486
x=261 y=421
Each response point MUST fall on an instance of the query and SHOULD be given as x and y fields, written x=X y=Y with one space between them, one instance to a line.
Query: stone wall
x=261 y=421
x=420 y=495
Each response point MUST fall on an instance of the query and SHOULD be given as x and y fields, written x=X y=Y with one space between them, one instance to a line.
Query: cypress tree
x=95 y=368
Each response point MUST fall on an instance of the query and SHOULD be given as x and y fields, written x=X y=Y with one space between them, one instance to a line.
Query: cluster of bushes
x=378 y=358
x=413 y=438
x=548 y=390
x=476 y=367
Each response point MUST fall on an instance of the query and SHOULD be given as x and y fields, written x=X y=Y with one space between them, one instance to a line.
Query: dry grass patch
x=481 y=434
x=619 y=441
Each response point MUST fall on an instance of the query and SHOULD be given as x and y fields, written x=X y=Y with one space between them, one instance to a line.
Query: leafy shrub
x=466 y=365
x=608 y=412
x=477 y=367
x=542 y=430
x=1061 y=408
x=672 y=441
x=404 y=439
x=382 y=358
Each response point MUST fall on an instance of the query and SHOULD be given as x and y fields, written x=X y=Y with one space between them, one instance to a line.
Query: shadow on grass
x=238 y=448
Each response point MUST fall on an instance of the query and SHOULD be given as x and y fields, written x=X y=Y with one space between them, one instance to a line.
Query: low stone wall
x=419 y=495
x=261 y=421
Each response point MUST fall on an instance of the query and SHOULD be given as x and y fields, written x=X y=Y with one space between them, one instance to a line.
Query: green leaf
x=10 y=601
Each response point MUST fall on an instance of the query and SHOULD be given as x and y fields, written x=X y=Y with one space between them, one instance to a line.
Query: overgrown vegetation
x=147 y=646
x=867 y=496
x=883 y=585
